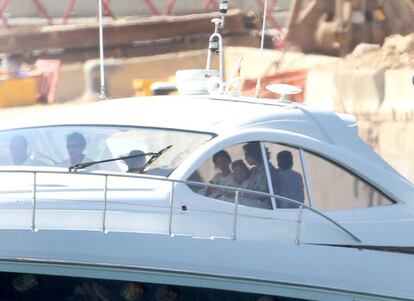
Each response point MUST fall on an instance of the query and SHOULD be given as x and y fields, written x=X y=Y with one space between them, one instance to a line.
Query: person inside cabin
x=241 y=173
x=242 y=178
x=19 y=153
x=92 y=290
x=253 y=156
x=26 y=287
x=132 y=291
x=222 y=162
x=167 y=293
x=136 y=164
x=75 y=145
x=288 y=182
x=257 y=180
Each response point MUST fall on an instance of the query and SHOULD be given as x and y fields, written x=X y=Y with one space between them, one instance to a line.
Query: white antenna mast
x=259 y=77
x=215 y=43
x=102 y=95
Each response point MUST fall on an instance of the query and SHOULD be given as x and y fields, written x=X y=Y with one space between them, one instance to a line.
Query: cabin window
x=19 y=286
x=331 y=187
x=239 y=166
x=64 y=146
x=334 y=188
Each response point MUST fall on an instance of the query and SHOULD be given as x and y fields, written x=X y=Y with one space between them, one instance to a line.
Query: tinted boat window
x=16 y=286
x=56 y=146
x=334 y=188
x=286 y=175
x=239 y=166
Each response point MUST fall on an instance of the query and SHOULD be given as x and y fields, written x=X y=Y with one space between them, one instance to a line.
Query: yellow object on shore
x=142 y=87
x=18 y=92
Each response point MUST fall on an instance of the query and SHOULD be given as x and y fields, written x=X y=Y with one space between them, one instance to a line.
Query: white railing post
x=171 y=209
x=34 y=202
x=104 y=205
x=236 y=206
x=298 y=225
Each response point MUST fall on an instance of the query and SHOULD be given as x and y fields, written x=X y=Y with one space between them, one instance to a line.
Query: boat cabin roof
x=195 y=113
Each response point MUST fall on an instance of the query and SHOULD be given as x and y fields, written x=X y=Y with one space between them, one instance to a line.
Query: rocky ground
x=396 y=52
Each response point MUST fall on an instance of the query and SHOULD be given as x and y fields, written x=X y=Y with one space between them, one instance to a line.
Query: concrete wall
x=392 y=139
x=71 y=84
x=383 y=103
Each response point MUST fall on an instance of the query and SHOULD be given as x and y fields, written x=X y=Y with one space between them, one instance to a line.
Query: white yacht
x=348 y=234
x=201 y=197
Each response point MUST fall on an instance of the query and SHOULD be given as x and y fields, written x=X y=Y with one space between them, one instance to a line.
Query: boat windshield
x=66 y=146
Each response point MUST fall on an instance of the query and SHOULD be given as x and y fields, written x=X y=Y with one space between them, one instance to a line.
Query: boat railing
x=236 y=190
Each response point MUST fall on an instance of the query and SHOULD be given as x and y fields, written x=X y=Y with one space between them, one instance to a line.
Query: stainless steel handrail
x=258 y=193
x=105 y=205
x=171 y=209
x=34 y=201
x=193 y=183
x=236 y=207
x=298 y=226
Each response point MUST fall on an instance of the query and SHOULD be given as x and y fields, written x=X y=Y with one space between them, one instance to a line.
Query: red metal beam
x=42 y=9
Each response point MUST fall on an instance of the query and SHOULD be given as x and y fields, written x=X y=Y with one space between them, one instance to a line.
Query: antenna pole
x=259 y=77
x=215 y=43
x=102 y=95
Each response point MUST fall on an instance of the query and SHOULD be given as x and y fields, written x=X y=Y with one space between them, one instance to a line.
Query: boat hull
x=263 y=267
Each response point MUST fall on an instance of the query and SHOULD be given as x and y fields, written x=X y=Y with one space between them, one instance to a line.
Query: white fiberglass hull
x=301 y=271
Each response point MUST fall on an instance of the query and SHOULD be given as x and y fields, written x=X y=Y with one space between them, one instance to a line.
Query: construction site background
x=22 y=12
x=56 y=8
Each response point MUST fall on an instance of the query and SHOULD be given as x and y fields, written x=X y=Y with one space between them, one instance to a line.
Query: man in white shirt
x=76 y=144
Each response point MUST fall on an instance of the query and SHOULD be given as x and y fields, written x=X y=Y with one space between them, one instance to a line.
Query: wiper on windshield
x=153 y=157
